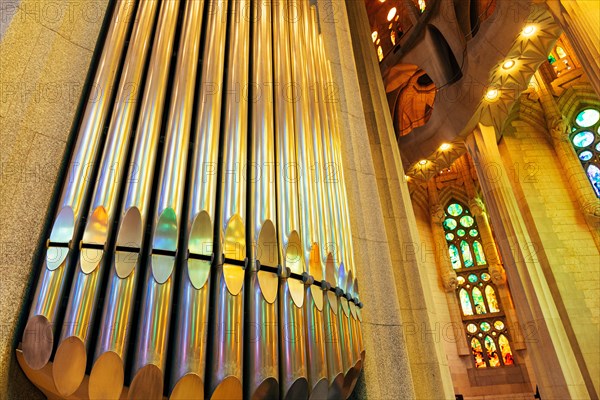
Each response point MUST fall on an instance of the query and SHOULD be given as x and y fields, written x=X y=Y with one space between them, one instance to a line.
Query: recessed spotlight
x=492 y=94
x=508 y=64
x=528 y=30
x=391 y=13
x=374 y=35
x=423 y=162
x=445 y=146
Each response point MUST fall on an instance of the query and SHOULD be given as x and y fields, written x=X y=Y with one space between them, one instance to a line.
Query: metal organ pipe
x=71 y=356
x=247 y=253
x=155 y=311
x=38 y=336
x=108 y=371
x=261 y=330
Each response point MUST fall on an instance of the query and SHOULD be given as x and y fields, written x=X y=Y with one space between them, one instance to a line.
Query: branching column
x=554 y=363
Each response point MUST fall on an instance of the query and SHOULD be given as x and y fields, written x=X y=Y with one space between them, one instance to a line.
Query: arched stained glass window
x=465 y=249
x=478 y=250
x=490 y=295
x=507 y=357
x=454 y=257
x=478 y=301
x=485 y=325
x=492 y=352
x=585 y=138
x=477 y=353
x=465 y=302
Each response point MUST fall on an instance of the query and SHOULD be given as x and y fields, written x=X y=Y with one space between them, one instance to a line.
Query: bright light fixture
x=374 y=35
x=445 y=146
x=528 y=30
x=508 y=64
x=391 y=14
x=492 y=94
x=423 y=162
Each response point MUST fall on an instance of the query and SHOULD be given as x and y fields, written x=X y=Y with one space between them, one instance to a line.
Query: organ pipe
x=108 y=371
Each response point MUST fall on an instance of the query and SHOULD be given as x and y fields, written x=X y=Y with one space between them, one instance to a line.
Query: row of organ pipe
x=202 y=244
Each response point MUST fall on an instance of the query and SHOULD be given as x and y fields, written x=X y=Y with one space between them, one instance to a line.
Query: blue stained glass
x=585 y=155
x=594 y=175
x=473 y=278
x=583 y=139
x=455 y=209
x=454 y=257
x=466 y=253
x=449 y=224
x=587 y=117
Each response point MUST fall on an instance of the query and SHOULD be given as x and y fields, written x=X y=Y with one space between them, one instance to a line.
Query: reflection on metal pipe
x=108 y=371
x=292 y=361
x=335 y=367
x=261 y=373
x=38 y=337
x=225 y=376
x=150 y=357
x=71 y=356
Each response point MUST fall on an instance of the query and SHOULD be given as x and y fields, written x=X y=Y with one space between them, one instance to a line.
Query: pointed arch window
x=585 y=138
x=482 y=314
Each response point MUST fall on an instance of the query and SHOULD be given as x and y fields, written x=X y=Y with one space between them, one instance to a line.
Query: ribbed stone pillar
x=555 y=367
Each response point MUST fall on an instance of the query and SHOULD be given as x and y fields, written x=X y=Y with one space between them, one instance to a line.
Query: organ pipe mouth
x=165 y=241
x=234 y=249
x=266 y=254
x=62 y=233
x=129 y=240
x=200 y=247
x=38 y=339
x=190 y=386
x=229 y=388
x=147 y=384
x=294 y=261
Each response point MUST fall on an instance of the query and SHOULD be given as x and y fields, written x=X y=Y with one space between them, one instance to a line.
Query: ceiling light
x=423 y=162
x=374 y=35
x=391 y=14
x=508 y=64
x=492 y=94
x=528 y=30
x=444 y=146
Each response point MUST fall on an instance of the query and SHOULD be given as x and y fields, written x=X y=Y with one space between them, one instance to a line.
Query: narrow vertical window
x=585 y=139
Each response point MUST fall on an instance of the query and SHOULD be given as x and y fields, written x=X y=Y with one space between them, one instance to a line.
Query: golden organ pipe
x=150 y=348
x=38 y=336
x=225 y=376
x=261 y=373
x=108 y=371
x=71 y=356
x=292 y=359
x=187 y=369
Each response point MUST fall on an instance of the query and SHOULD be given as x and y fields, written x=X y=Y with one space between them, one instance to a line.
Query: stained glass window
x=585 y=139
x=465 y=302
x=490 y=295
x=478 y=301
x=476 y=292
x=560 y=52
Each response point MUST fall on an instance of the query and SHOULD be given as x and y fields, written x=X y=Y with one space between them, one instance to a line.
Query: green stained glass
x=449 y=224
x=472 y=278
x=587 y=117
x=467 y=221
x=551 y=59
x=479 y=256
x=478 y=301
x=583 y=139
x=465 y=302
x=485 y=277
x=460 y=232
x=485 y=326
x=585 y=155
x=466 y=253
x=471 y=328
x=492 y=352
x=455 y=209
x=505 y=350
x=499 y=325
x=473 y=232
x=449 y=236
x=593 y=173
x=477 y=353
x=490 y=294
x=454 y=257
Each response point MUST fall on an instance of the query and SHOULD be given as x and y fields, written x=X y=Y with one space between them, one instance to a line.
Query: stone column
x=559 y=129
x=554 y=363
x=442 y=256
x=580 y=21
